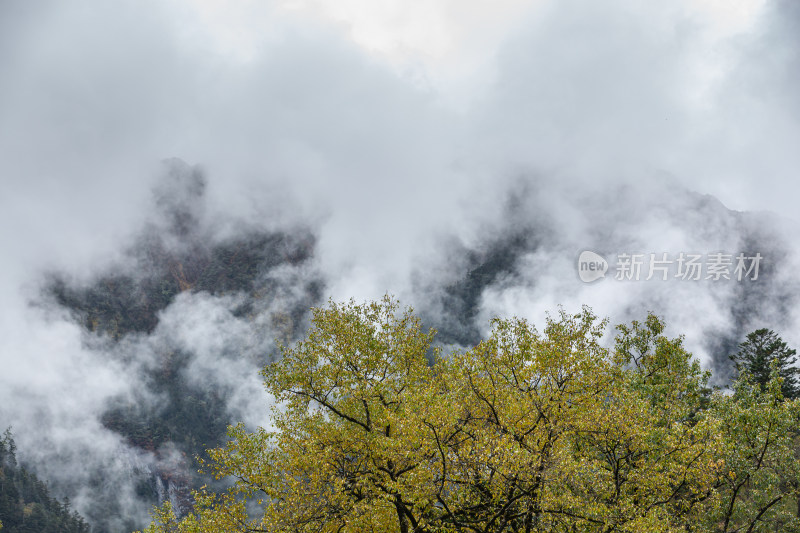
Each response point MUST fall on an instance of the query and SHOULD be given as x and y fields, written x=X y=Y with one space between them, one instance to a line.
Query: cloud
x=455 y=155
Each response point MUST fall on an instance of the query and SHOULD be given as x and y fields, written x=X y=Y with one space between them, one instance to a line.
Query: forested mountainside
x=175 y=255
x=515 y=260
x=26 y=504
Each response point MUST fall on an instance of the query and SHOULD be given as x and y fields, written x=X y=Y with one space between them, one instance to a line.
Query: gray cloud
x=589 y=129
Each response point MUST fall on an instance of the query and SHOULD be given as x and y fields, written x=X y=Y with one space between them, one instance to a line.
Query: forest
x=26 y=505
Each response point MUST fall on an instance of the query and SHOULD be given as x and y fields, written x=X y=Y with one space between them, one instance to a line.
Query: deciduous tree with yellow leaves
x=376 y=430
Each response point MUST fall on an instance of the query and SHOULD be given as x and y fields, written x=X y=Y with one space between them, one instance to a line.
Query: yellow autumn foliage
x=375 y=430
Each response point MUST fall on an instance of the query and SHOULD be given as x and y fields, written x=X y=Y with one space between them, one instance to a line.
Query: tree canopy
x=763 y=348
x=374 y=429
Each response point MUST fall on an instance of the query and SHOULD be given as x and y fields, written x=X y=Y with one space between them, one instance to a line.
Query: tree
x=25 y=501
x=760 y=481
x=757 y=353
x=375 y=430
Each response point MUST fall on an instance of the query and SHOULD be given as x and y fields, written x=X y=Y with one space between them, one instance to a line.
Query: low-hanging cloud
x=587 y=125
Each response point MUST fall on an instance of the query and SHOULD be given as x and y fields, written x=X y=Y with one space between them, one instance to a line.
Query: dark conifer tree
x=757 y=353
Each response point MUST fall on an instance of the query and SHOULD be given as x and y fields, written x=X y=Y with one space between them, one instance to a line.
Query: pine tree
x=25 y=501
x=759 y=351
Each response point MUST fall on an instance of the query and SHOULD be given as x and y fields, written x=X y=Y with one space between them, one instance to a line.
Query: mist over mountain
x=187 y=317
x=458 y=157
x=527 y=266
x=190 y=315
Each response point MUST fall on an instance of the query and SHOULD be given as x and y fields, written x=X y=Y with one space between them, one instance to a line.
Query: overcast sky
x=389 y=114
x=356 y=101
x=388 y=120
x=385 y=125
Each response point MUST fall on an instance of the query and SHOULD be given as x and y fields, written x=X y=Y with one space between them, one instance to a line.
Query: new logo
x=591 y=266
